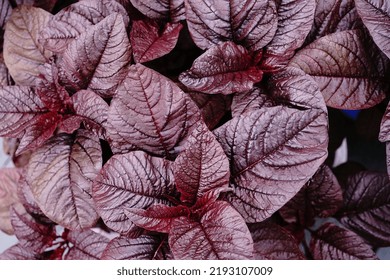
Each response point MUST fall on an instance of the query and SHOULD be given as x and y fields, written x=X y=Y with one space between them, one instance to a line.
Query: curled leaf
x=170 y=10
x=226 y=68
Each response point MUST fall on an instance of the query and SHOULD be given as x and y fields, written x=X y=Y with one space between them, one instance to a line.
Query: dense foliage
x=194 y=129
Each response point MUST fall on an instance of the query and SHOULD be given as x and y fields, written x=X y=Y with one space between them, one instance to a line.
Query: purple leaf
x=5 y=79
x=32 y=235
x=202 y=169
x=133 y=180
x=366 y=207
x=18 y=252
x=145 y=247
x=76 y=19
x=60 y=174
x=87 y=245
x=320 y=197
x=92 y=109
x=149 y=112
x=23 y=54
x=158 y=217
x=218 y=233
x=149 y=42
x=295 y=19
x=39 y=132
x=96 y=60
x=273 y=152
x=384 y=135
x=376 y=17
x=20 y=107
x=9 y=178
x=225 y=68
x=334 y=16
x=272 y=242
x=348 y=68
x=331 y=242
x=249 y=23
x=5 y=12
x=170 y=10
x=250 y=101
x=212 y=107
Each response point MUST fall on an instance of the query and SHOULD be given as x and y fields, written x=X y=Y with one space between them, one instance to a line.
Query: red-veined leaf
x=87 y=245
x=349 y=69
x=331 y=242
x=366 y=207
x=320 y=197
x=20 y=107
x=226 y=68
x=9 y=178
x=60 y=174
x=295 y=19
x=18 y=252
x=249 y=23
x=202 y=168
x=273 y=152
x=333 y=16
x=376 y=17
x=76 y=19
x=31 y=235
x=171 y=10
x=218 y=233
x=158 y=217
x=97 y=58
x=250 y=101
x=212 y=107
x=272 y=242
x=92 y=109
x=149 y=112
x=23 y=54
x=149 y=42
x=144 y=247
x=132 y=180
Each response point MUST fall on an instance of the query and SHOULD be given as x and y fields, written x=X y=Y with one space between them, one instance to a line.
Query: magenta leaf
x=376 y=17
x=96 y=60
x=320 y=197
x=76 y=19
x=18 y=252
x=295 y=19
x=202 y=169
x=348 y=68
x=60 y=175
x=9 y=178
x=149 y=112
x=92 y=109
x=158 y=217
x=33 y=236
x=334 y=16
x=171 y=10
x=23 y=54
x=149 y=42
x=132 y=180
x=366 y=207
x=331 y=242
x=212 y=107
x=145 y=247
x=273 y=152
x=20 y=107
x=226 y=68
x=272 y=242
x=249 y=23
x=87 y=245
x=219 y=232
